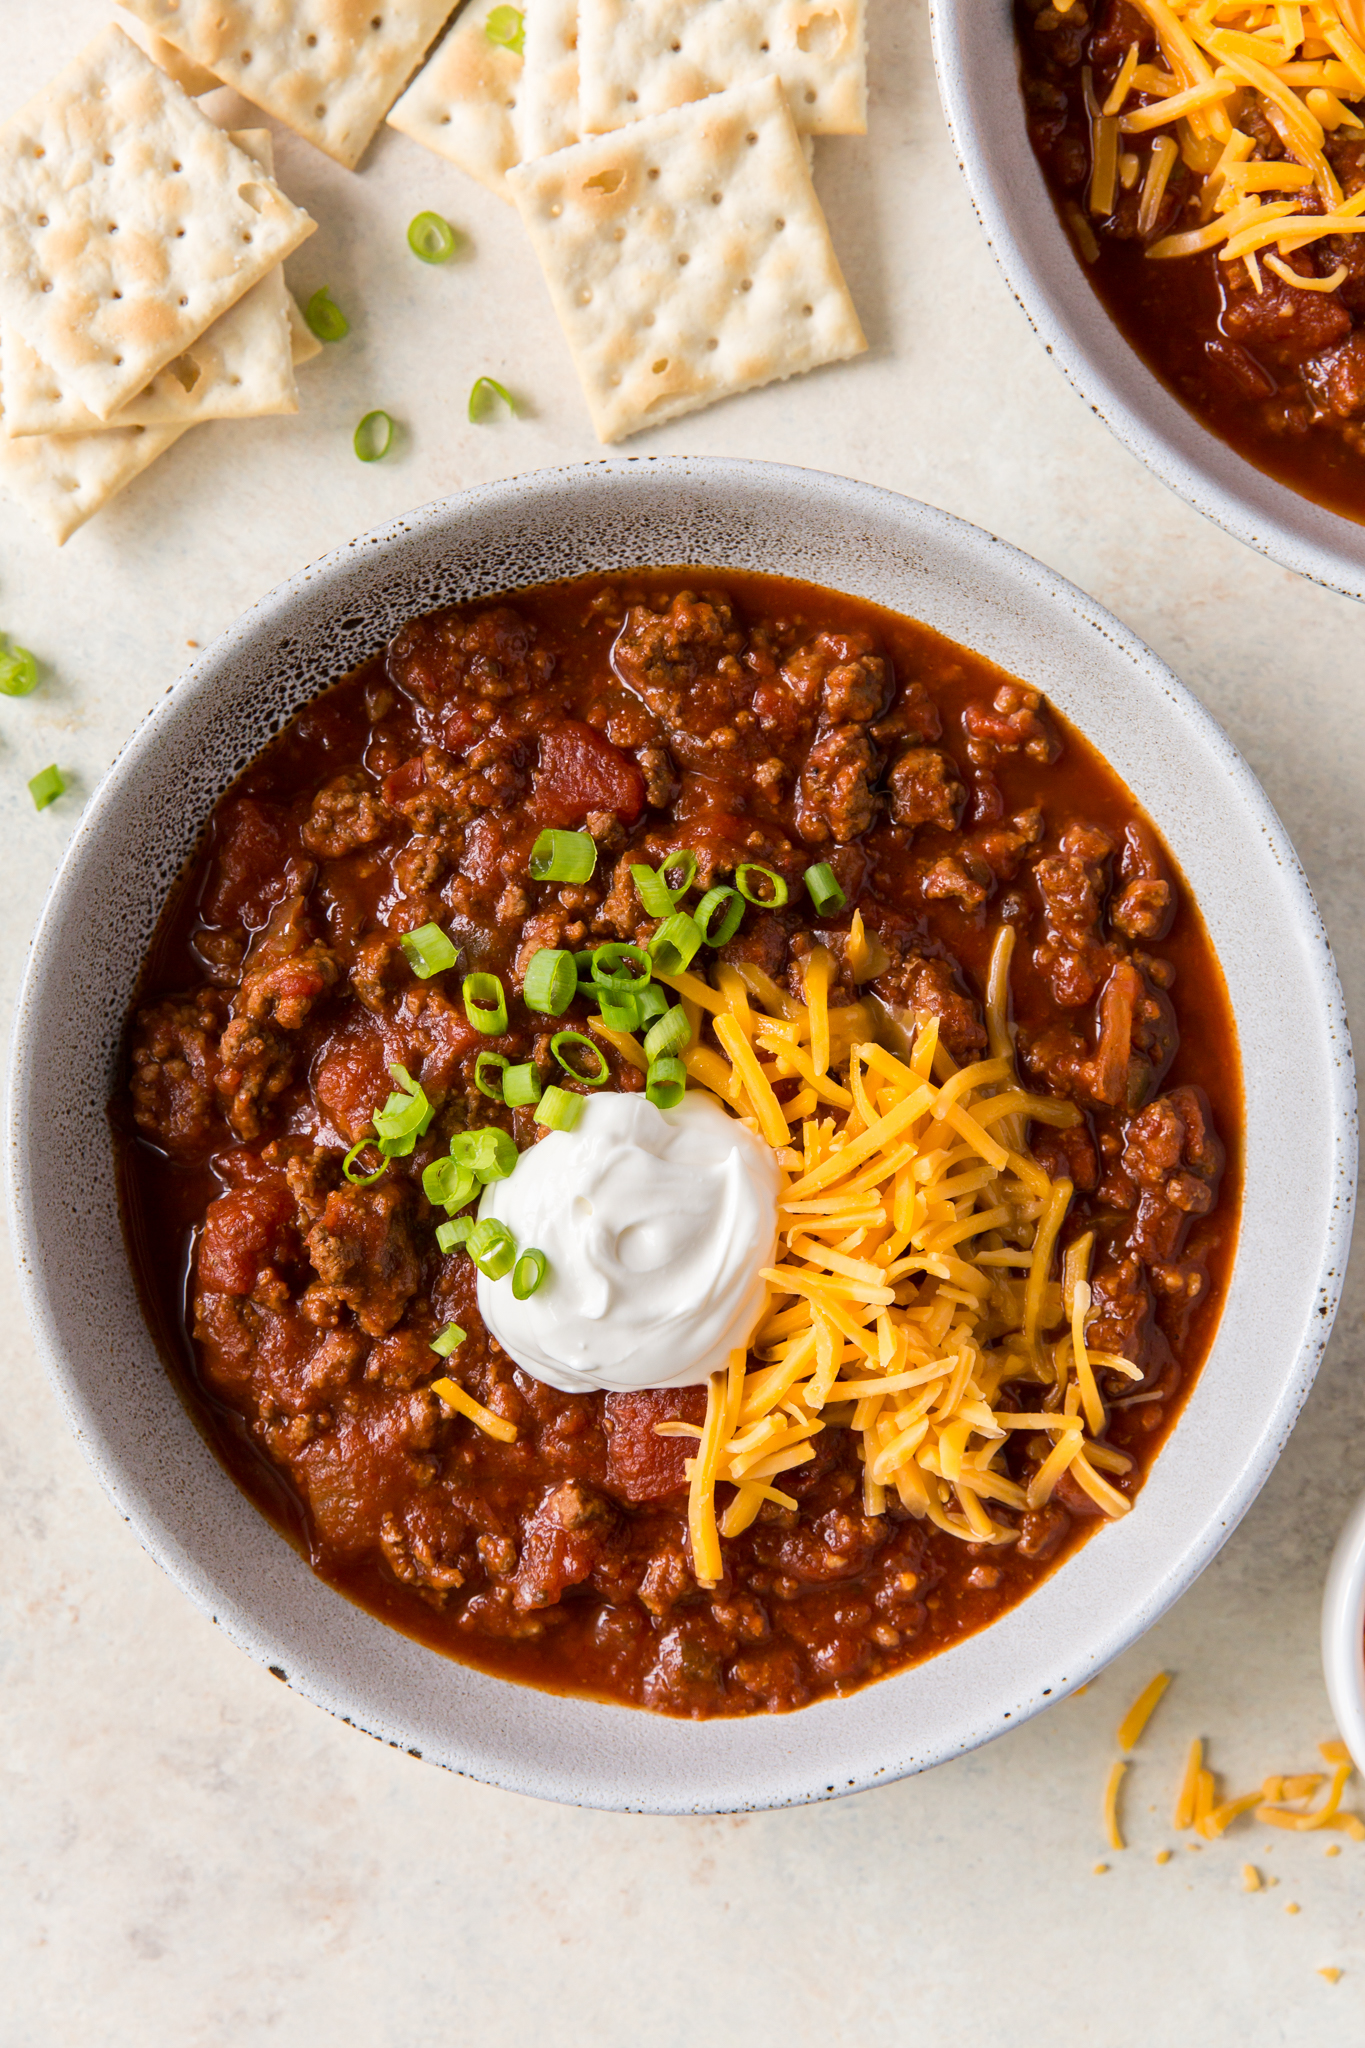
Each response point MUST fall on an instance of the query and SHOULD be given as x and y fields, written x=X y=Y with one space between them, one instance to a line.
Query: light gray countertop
x=193 y=1855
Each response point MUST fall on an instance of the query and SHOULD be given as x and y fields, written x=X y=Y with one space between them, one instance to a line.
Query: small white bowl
x=1343 y=1634
x=141 y=825
x=978 y=75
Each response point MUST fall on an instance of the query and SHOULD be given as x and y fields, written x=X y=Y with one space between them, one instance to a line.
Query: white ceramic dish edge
x=975 y=57
x=1343 y=1633
x=139 y=826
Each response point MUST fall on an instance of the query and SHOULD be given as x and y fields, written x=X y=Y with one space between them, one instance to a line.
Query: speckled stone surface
x=191 y=1854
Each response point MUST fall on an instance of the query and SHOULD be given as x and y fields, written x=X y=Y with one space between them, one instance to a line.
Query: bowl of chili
x=1155 y=348
x=632 y=523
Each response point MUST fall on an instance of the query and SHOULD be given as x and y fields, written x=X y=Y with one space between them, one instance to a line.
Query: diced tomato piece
x=244 y=1230
x=640 y=1464
x=578 y=772
x=254 y=842
x=351 y=1078
x=405 y=781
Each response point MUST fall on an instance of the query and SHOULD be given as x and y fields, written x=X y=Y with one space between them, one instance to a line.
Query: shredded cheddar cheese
x=913 y=1280
x=1227 y=70
x=1140 y=1713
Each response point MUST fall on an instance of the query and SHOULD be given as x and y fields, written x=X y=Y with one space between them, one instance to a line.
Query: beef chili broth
x=1279 y=374
x=757 y=720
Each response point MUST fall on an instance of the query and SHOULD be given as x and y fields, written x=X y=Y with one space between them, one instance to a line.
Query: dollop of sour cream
x=655 y=1224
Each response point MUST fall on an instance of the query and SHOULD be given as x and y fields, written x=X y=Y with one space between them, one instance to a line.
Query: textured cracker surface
x=687 y=258
x=640 y=57
x=322 y=67
x=128 y=223
x=546 y=116
x=240 y=368
x=61 y=480
x=462 y=103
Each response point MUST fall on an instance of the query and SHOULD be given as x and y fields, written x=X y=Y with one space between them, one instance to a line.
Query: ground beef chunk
x=287 y=970
x=256 y=1065
x=1281 y=323
x=840 y=674
x=836 y=800
x=362 y=1252
x=1073 y=884
x=245 y=1230
x=914 y=986
x=684 y=663
x=1175 y=1162
x=346 y=815
x=1015 y=720
x=561 y=1543
x=174 y=1056
x=491 y=656
x=1335 y=380
x=661 y=777
x=926 y=789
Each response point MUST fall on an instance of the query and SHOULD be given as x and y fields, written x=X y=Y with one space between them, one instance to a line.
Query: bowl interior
x=140 y=827
x=978 y=74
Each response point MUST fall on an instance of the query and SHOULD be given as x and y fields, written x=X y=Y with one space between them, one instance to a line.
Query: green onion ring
x=652 y=889
x=407 y=1113
x=521 y=1086
x=667 y=1083
x=559 y=1109
x=46 y=786
x=362 y=1180
x=822 y=884
x=492 y=1247
x=778 y=886
x=731 y=903
x=482 y=392
x=506 y=26
x=672 y=1034
x=675 y=943
x=551 y=981
x=449 y=1236
x=609 y=964
x=564 y=1038
x=651 y=1002
x=373 y=438
x=489 y=1153
x=450 y=1339
x=485 y=1003
x=431 y=237
x=620 y=1013
x=18 y=673
x=325 y=317
x=528 y=1273
x=447 y=1184
x=563 y=857
x=490 y=1062
x=428 y=951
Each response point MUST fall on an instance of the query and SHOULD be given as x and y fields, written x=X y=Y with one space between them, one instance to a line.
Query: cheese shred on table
x=914 y=1280
x=1225 y=73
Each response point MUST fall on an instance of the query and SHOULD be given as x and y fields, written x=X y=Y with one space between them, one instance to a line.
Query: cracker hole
x=684 y=258
x=661 y=366
x=42 y=220
x=764 y=48
x=556 y=210
x=246 y=234
x=615 y=377
x=808 y=311
x=246 y=56
x=118 y=362
x=113 y=228
x=610 y=180
x=185 y=371
x=654 y=174
x=810 y=99
x=585 y=297
x=177 y=167
x=716 y=198
x=318 y=113
x=618 y=234
x=179 y=234
x=751 y=138
x=632 y=99
x=675 y=47
x=445 y=120
x=779 y=225
x=108 y=159
x=47 y=284
x=821 y=35
x=254 y=195
x=184 y=302
x=38 y=149
x=312 y=42
x=712 y=343
x=376 y=21
x=746 y=284
x=116 y=295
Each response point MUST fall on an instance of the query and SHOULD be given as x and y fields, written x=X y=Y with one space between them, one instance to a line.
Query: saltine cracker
x=462 y=103
x=546 y=116
x=687 y=258
x=641 y=57
x=128 y=223
x=329 y=69
x=61 y=480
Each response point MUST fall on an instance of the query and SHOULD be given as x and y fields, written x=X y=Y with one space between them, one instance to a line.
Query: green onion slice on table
x=18 y=672
x=431 y=237
x=506 y=26
x=325 y=317
x=483 y=392
x=373 y=437
x=46 y=786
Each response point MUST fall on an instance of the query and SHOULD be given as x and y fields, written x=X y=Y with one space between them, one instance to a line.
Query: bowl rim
x=1069 y=319
x=1343 y=1633
x=784 y=1778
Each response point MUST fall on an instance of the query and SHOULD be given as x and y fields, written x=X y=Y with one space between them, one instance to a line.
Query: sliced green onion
x=447 y=1184
x=361 y=1180
x=453 y=1234
x=485 y=389
x=325 y=317
x=558 y=1109
x=653 y=890
x=621 y=970
x=490 y=1063
x=492 y=1247
x=651 y=1002
x=46 y=786
x=528 y=1273
x=485 y=1003
x=774 y=882
x=490 y=1153
x=450 y=1339
x=620 y=1013
x=566 y=1038
x=667 y=1083
x=730 y=904
x=407 y=1113
x=373 y=438
x=675 y=942
x=582 y=963
x=428 y=951
x=685 y=859
x=563 y=857
x=521 y=1086
x=506 y=26
x=671 y=1034
x=823 y=885
x=431 y=237
x=551 y=981
x=18 y=673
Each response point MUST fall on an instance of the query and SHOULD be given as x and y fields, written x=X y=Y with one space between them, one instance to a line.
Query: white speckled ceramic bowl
x=1343 y=1634
x=978 y=76
x=141 y=825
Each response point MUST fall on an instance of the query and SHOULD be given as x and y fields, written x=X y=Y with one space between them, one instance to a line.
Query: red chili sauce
x=751 y=720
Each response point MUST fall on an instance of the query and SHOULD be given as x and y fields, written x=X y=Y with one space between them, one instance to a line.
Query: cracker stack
x=658 y=151
x=140 y=281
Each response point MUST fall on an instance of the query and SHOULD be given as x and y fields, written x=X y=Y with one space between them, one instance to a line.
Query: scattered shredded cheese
x=913 y=1280
x=454 y=1396
x=1113 y=1832
x=1140 y=1713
